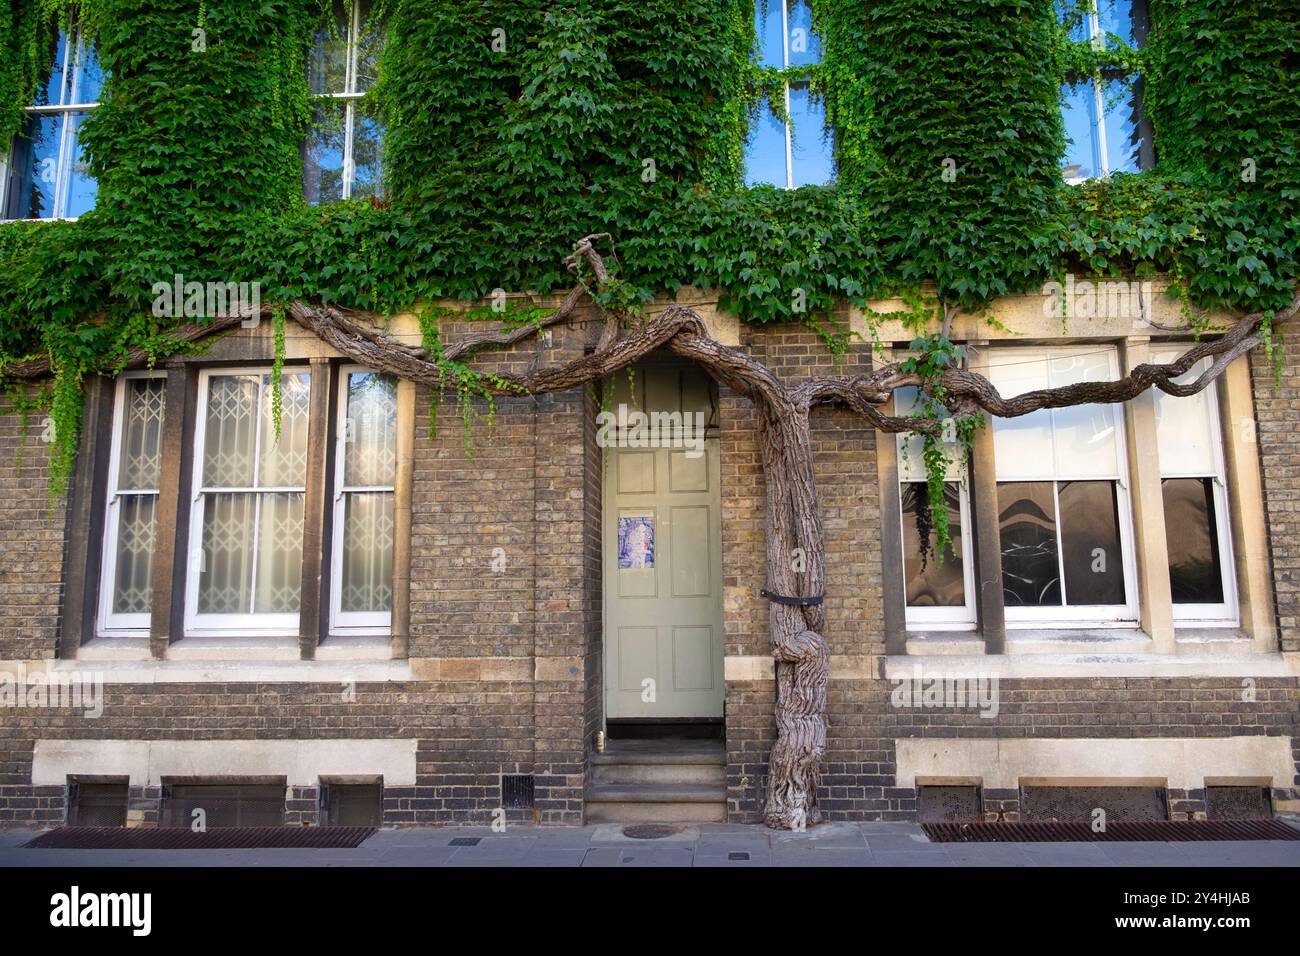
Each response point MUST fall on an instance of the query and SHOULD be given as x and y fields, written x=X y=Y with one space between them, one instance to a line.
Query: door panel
x=663 y=574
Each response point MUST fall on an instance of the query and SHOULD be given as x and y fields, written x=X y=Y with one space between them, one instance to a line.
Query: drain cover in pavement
x=465 y=841
x=650 y=831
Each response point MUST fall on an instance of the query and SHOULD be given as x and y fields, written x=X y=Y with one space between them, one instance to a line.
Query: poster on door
x=636 y=542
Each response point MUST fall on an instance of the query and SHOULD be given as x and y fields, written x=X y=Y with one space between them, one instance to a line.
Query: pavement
x=713 y=845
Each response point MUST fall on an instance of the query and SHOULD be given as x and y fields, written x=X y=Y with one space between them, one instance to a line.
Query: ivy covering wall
x=514 y=126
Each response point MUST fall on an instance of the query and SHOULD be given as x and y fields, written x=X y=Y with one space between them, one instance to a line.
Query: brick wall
x=532 y=489
x=1277 y=407
x=32 y=530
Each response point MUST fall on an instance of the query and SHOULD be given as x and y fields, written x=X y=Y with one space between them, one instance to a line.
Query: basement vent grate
x=517 y=790
x=1175 y=831
x=465 y=841
x=945 y=804
x=1237 y=803
x=219 y=838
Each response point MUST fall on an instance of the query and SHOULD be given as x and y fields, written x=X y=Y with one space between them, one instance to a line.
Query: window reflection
x=932 y=580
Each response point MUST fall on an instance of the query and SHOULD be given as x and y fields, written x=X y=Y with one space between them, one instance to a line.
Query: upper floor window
x=939 y=588
x=1105 y=127
x=1194 y=491
x=1063 y=499
x=46 y=175
x=342 y=157
x=797 y=153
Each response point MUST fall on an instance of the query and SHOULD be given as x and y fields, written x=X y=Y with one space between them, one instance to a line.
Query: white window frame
x=350 y=97
x=73 y=50
x=1101 y=151
x=785 y=64
x=953 y=618
x=372 y=623
x=1079 y=615
x=1228 y=613
x=250 y=624
x=112 y=624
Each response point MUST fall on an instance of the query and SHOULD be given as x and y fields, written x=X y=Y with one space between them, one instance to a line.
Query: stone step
x=711 y=774
x=656 y=803
x=667 y=752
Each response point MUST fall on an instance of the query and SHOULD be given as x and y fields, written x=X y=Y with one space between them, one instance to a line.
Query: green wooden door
x=663 y=563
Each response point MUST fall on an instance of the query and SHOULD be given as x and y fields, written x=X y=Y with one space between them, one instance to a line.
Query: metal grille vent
x=1172 y=831
x=1237 y=803
x=1077 y=804
x=224 y=805
x=516 y=790
x=960 y=804
x=97 y=804
x=176 y=838
x=354 y=804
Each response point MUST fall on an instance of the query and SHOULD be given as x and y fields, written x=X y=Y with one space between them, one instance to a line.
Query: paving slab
x=825 y=856
x=909 y=842
x=1065 y=854
x=841 y=835
x=714 y=857
x=911 y=858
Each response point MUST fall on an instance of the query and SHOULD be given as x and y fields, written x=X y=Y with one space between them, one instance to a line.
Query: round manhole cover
x=650 y=831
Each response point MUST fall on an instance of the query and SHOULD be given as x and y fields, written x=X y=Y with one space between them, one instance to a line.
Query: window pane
x=370 y=430
x=767 y=27
x=1085 y=440
x=228 y=431
x=1022 y=446
x=227 y=571
x=811 y=148
x=284 y=462
x=765 y=150
x=367 y=156
x=132 y=578
x=929 y=582
x=1186 y=427
x=1094 y=564
x=1123 y=133
x=911 y=447
x=1079 y=112
x=370 y=43
x=1195 y=572
x=327 y=65
x=140 y=451
x=322 y=154
x=35 y=167
x=51 y=92
x=82 y=186
x=805 y=46
x=279 y=554
x=368 y=552
x=1027 y=519
x=1127 y=19
x=88 y=77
